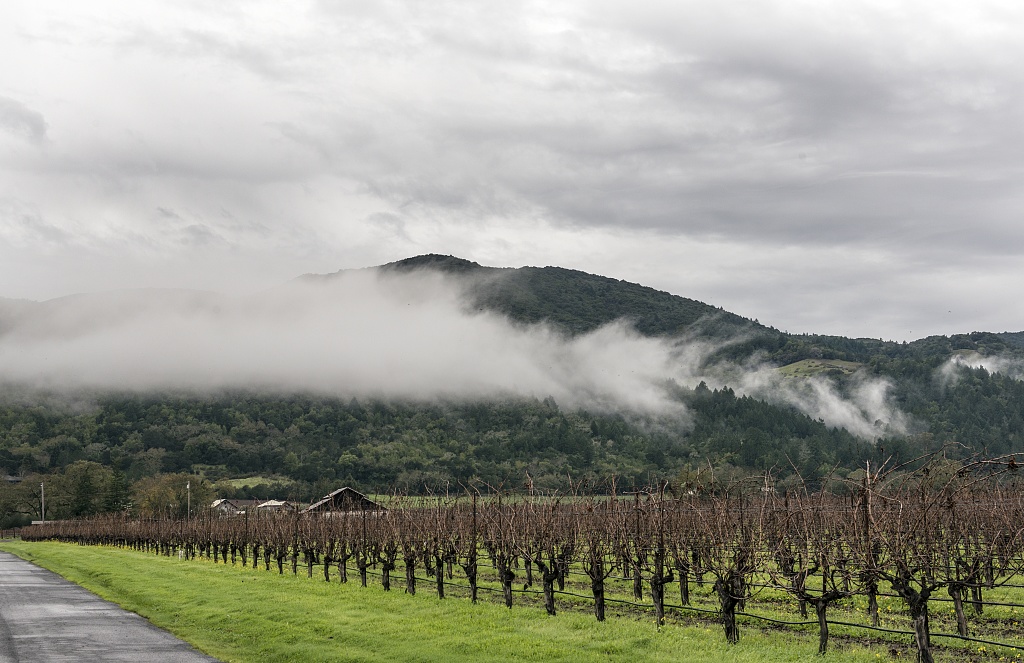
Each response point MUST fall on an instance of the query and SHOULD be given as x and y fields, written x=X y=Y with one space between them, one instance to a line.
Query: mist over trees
x=102 y=449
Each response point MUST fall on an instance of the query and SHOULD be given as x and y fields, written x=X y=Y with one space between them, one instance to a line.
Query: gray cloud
x=22 y=121
x=338 y=134
x=867 y=411
x=358 y=335
x=386 y=336
x=775 y=127
x=21 y=224
x=950 y=373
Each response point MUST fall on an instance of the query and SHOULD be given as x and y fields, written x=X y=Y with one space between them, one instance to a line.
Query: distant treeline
x=312 y=444
x=375 y=446
x=316 y=444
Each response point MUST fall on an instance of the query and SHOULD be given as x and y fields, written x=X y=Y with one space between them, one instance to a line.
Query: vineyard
x=933 y=553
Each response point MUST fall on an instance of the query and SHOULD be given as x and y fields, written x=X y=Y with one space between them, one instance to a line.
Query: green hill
x=573 y=301
x=88 y=449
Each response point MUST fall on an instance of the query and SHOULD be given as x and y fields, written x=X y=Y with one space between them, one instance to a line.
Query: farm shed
x=344 y=499
x=229 y=507
x=240 y=507
x=275 y=505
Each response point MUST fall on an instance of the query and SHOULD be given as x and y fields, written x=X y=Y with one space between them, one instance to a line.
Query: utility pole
x=188 y=498
x=42 y=497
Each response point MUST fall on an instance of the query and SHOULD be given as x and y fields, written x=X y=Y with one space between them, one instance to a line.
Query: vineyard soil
x=241 y=614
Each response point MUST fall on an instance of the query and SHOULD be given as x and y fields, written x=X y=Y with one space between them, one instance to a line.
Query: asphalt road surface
x=45 y=618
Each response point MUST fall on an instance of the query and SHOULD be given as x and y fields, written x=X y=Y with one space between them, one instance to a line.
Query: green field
x=238 y=614
x=254 y=481
x=811 y=367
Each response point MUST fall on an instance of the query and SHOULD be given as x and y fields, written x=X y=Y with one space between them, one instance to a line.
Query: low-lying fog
x=384 y=335
x=1008 y=366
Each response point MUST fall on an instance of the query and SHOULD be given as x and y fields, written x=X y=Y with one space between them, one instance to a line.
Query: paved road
x=45 y=618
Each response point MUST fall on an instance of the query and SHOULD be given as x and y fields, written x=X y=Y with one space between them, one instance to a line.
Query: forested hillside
x=101 y=451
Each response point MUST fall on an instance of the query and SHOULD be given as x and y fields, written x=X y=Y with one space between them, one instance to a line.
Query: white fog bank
x=367 y=334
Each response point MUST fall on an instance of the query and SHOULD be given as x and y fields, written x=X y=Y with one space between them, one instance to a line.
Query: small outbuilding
x=272 y=506
x=230 y=507
x=344 y=500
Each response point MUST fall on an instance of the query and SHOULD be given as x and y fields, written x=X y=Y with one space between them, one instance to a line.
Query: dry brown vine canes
x=595 y=525
x=240 y=538
x=631 y=543
x=680 y=536
x=323 y=540
x=439 y=536
x=531 y=542
x=920 y=538
x=410 y=533
x=223 y=533
x=991 y=528
x=729 y=546
x=974 y=574
x=362 y=546
x=267 y=541
x=810 y=534
x=865 y=542
x=999 y=555
x=976 y=537
x=502 y=539
x=830 y=540
x=344 y=544
x=961 y=567
x=331 y=549
x=915 y=584
x=294 y=542
x=467 y=544
x=793 y=567
x=651 y=550
x=911 y=536
x=384 y=546
x=308 y=541
x=253 y=539
x=547 y=541
x=566 y=546
x=282 y=526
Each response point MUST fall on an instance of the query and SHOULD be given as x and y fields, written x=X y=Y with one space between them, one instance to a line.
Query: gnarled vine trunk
x=730 y=592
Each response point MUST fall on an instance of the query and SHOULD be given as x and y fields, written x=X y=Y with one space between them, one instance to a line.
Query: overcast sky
x=853 y=168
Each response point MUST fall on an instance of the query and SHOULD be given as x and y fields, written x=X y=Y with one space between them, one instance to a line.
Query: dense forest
x=106 y=451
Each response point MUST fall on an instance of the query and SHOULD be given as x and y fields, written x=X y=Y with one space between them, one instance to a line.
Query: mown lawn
x=238 y=614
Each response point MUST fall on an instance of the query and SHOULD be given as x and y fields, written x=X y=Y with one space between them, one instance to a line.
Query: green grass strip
x=238 y=614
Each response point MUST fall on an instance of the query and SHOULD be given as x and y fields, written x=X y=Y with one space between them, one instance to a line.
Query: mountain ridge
x=959 y=395
x=578 y=302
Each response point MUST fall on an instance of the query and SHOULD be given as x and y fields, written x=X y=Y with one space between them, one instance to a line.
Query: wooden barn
x=343 y=500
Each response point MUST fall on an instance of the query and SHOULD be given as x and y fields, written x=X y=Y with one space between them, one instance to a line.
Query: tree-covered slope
x=573 y=301
x=577 y=302
x=321 y=443
x=91 y=446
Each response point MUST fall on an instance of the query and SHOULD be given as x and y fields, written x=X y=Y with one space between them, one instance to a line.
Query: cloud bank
x=1011 y=367
x=845 y=168
x=21 y=121
x=390 y=336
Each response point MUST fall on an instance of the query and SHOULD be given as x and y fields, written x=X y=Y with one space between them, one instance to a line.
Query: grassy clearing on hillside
x=253 y=482
x=238 y=614
x=811 y=367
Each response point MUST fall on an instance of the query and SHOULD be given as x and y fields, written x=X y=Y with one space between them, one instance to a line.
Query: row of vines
x=909 y=537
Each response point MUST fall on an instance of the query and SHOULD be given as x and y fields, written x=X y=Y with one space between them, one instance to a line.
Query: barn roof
x=241 y=506
x=344 y=499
